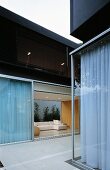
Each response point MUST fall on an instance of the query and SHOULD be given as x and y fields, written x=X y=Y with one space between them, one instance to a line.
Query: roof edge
x=35 y=27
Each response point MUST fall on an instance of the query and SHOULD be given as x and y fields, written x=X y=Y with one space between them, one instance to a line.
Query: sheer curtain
x=15 y=111
x=95 y=107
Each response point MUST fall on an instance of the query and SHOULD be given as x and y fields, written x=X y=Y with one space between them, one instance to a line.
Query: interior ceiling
x=51 y=96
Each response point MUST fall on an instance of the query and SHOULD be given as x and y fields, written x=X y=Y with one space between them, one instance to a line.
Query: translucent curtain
x=15 y=111
x=95 y=107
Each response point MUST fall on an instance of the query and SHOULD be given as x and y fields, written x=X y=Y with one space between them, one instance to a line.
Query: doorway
x=53 y=115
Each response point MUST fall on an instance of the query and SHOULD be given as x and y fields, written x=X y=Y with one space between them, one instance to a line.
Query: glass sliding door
x=15 y=110
x=95 y=107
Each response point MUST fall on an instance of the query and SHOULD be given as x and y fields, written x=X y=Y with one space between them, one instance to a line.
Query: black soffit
x=35 y=27
x=96 y=24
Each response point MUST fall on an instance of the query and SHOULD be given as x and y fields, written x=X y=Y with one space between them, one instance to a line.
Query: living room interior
x=52 y=114
x=52 y=111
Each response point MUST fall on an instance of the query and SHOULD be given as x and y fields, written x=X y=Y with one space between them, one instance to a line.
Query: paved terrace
x=38 y=155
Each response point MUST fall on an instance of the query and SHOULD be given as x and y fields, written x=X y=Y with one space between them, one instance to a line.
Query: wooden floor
x=46 y=133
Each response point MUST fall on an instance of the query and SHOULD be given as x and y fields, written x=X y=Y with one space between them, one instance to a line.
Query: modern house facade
x=90 y=23
x=29 y=55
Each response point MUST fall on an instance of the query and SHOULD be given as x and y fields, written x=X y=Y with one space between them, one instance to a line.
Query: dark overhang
x=35 y=27
x=88 y=19
x=99 y=38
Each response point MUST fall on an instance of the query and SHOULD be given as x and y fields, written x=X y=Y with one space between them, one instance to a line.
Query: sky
x=51 y=14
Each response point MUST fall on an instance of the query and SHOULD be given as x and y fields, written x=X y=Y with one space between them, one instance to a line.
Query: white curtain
x=15 y=111
x=95 y=107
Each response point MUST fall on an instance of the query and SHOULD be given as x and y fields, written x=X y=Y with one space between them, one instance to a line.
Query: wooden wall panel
x=66 y=115
x=76 y=119
x=66 y=112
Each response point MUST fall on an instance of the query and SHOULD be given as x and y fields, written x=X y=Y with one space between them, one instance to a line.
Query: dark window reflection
x=42 y=53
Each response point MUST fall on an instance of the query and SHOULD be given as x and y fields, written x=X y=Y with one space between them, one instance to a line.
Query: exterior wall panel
x=87 y=15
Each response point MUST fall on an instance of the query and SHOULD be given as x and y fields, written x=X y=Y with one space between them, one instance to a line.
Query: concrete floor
x=38 y=155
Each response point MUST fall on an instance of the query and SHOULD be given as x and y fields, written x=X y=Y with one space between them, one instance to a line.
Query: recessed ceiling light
x=62 y=64
x=29 y=53
x=59 y=98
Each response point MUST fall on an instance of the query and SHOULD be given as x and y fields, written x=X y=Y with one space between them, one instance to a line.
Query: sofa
x=51 y=125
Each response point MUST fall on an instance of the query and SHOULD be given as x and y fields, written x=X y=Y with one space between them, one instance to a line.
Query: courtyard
x=48 y=154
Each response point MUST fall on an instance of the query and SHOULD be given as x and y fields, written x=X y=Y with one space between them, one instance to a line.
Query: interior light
x=29 y=53
x=59 y=98
x=46 y=97
x=62 y=64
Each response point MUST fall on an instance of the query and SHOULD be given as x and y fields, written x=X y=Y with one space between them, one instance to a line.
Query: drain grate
x=73 y=164
x=1 y=165
x=78 y=165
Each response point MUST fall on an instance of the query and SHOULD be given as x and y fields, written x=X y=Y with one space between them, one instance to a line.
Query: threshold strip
x=52 y=137
x=78 y=165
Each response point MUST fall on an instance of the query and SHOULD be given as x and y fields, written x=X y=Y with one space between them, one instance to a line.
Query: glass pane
x=95 y=107
x=34 y=50
x=15 y=111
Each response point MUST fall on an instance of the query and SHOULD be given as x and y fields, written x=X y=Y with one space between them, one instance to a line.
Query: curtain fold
x=95 y=107
x=15 y=111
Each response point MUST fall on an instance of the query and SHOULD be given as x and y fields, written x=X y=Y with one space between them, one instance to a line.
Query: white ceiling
x=51 y=96
x=50 y=88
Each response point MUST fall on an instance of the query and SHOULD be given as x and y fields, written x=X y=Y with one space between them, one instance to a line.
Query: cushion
x=56 y=122
x=60 y=127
